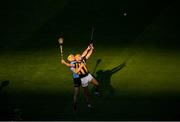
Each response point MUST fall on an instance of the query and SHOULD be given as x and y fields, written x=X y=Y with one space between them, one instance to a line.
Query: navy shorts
x=77 y=82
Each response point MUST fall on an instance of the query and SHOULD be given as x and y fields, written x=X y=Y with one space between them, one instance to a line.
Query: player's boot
x=89 y=107
x=97 y=94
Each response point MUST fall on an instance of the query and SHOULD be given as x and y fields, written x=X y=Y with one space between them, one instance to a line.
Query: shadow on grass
x=104 y=78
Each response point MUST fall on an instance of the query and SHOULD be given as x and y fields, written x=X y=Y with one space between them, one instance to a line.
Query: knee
x=95 y=82
x=76 y=94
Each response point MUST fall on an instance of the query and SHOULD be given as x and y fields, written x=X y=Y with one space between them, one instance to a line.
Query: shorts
x=77 y=82
x=85 y=80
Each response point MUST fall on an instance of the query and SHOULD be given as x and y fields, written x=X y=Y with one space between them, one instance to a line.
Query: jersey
x=84 y=71
x=75 y=75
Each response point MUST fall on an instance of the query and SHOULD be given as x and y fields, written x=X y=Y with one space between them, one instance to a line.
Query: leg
x=94 y=82
x=96 y=85
x=84 y=83
x=76 y=93
x=86 y=94
x=77 y=83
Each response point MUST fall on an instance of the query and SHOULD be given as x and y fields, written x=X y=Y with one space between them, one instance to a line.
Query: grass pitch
x=145 y=85
x=136 y=60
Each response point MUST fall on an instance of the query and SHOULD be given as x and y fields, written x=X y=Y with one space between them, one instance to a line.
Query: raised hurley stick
x=92 y=34
x=61 y=40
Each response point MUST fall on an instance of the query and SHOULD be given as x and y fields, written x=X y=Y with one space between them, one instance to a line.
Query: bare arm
x=85 y=52
x=77 y=70
x=90 y=51
x=67 y=64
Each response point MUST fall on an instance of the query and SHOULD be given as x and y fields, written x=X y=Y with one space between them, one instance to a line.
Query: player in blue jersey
x=77 y=80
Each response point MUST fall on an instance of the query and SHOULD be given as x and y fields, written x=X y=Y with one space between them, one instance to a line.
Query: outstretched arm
x=77 y=70
x=85 y=51
x=90 y=51
x=66 y=64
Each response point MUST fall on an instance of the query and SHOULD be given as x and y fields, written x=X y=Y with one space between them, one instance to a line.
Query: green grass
x=143 y=47
x=146 y=88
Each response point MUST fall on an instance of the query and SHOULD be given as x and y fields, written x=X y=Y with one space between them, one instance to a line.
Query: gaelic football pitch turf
x=136 y=61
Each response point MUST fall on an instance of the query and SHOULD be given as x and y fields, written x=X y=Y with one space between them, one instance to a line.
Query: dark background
x=34 y=25
x=26 y=24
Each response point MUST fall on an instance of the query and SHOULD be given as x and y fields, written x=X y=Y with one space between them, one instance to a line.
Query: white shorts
x=86 y=80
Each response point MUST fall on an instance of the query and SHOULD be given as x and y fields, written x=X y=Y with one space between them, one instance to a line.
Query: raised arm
x=85 y=52
x=78 y=69
x=90 y=51
x=67 y=64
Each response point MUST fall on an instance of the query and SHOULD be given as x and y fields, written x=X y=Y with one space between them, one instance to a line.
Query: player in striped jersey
x=83 y=73
x=77 y=80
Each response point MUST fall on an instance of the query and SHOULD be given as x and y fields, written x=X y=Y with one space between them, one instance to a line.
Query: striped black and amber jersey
x=84 y=70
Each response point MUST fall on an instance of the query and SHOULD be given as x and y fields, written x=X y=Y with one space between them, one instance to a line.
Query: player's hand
x=62 y=61
x=91 y=45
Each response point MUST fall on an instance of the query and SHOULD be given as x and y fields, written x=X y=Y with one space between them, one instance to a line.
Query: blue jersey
x=75 y=75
